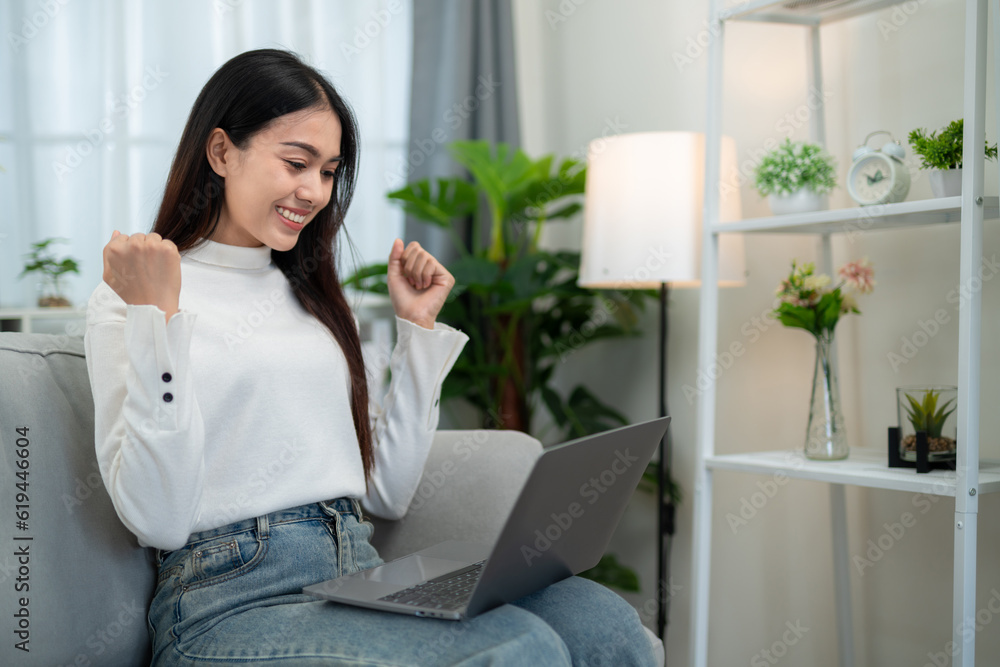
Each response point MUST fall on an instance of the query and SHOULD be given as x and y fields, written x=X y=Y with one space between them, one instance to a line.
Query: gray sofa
x=75 y=585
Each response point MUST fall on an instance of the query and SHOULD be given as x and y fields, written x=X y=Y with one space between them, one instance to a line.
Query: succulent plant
x=926 y=415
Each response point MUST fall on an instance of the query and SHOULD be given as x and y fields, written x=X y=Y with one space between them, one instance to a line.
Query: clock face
x=871 y=179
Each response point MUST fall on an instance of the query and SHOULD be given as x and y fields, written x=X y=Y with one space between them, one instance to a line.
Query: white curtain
x=94 y=95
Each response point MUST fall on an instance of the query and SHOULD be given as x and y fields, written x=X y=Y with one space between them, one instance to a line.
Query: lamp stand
x=665 y=507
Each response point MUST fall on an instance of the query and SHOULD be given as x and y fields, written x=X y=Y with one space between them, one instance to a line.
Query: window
x=94 y=96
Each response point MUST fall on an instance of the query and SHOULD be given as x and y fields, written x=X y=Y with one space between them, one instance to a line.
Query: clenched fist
x=144 y=269
x=418 y=284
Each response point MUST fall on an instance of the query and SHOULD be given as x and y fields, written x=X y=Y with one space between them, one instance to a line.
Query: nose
x=312 y=191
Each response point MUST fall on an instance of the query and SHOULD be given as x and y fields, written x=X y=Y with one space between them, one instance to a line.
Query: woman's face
x=280 y=182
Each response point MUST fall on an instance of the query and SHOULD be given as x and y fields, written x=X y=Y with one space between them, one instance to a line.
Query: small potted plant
x=942 y=153
x=796 y=177
x=927 y=409
x=41 y=260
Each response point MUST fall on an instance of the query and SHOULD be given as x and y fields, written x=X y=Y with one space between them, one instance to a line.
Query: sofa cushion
x=74 y=583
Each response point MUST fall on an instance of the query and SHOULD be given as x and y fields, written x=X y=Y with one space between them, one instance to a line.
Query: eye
x=298 y=166
x=328 y=174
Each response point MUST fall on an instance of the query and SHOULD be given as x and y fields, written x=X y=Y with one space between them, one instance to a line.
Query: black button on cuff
x=166 y=377
x=168 y=397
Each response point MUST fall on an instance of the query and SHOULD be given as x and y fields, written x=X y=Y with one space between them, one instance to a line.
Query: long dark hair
x=243 y=97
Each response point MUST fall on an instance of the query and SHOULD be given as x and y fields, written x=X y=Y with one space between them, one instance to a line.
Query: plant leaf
x=937 y=415
x=930 y=402
x=497 y=174
x=610 y=572
x=555 y=405
x=438 y=204
x=797 y=316
x=475 y=272
x=590 y=413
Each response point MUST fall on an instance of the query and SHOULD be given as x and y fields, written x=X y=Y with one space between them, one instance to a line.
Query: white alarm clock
x=878 y=176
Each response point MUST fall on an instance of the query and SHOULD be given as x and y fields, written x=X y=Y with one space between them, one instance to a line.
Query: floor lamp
x=642 y=230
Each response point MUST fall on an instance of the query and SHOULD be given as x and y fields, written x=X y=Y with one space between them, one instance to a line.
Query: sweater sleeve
x=147 y=426
x=403 y=426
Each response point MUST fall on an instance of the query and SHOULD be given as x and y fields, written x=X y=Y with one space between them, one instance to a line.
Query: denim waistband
x=262 y=523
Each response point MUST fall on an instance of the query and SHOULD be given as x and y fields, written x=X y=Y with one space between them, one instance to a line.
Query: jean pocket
x=215 y=560
x=361 y=554
x=221 y=559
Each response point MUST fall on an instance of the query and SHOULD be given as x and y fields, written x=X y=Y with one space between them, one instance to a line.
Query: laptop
x=559 y=526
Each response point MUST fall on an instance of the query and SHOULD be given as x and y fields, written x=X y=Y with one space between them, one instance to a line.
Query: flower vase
x=826 y=439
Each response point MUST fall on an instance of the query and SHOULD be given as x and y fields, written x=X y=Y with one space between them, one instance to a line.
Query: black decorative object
x=922 y=464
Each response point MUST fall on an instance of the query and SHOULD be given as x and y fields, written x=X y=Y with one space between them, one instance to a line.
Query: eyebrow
x=309 y=148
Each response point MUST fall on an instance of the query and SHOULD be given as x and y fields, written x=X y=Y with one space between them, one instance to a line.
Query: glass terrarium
x=931 y=409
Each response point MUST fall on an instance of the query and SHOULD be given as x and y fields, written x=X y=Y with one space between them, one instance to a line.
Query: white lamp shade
x=643 y=210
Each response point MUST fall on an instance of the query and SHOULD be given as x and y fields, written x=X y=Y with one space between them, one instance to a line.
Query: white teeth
x=291 y=216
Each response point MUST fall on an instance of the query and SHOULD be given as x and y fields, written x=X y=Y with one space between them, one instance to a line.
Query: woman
x=233 y=424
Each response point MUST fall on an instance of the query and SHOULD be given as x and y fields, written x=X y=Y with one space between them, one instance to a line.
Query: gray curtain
x=463 y=88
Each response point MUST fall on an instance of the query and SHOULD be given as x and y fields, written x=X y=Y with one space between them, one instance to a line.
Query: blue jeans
x=232 y=596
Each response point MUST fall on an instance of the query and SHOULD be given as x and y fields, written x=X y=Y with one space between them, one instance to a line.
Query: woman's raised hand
x=418 y=283
x=144 y=269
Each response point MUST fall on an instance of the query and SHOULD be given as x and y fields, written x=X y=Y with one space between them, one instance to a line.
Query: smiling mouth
x=288 y=215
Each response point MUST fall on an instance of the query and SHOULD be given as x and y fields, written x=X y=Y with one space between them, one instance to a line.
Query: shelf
x=864 y=467
x=42 y=313
x=23 y=319
x=802 y=12
x=862 y=218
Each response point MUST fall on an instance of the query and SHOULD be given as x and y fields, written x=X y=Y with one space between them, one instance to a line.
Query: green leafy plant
x=943 y=151
x=42 y=260
x=518 y=303
x=795 y=165
x=925 y=415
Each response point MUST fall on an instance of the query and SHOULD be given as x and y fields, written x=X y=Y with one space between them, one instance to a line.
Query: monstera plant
x=518 y=303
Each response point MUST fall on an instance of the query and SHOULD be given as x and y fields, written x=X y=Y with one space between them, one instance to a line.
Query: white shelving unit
x=865 y=468
x=25 y=320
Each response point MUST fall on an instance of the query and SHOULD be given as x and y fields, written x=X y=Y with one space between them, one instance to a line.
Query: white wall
x=588 y=66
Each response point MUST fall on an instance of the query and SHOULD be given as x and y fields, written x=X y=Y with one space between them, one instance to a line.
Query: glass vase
x=826 y=438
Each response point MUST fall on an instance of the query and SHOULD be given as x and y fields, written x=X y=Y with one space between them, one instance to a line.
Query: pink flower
x=860 y=275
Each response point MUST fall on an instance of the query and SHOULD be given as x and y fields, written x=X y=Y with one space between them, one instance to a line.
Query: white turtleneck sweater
x=240 y=405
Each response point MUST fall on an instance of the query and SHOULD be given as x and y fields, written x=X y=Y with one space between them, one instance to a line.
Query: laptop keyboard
x=448 y=592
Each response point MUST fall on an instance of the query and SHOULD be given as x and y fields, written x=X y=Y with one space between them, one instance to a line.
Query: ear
x=220 y=151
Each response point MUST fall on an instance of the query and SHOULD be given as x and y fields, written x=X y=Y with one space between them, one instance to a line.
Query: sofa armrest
x=75 y=582
x=469 y=485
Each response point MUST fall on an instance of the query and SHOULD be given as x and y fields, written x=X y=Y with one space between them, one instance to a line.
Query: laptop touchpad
x=411 y=570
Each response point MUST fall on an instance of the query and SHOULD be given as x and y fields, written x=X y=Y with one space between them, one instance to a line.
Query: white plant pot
x=946 y=182
x=800 y=201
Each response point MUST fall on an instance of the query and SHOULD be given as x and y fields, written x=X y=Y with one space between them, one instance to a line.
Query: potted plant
x=41 y=260
x=796 y=177
x=942 y=153
x=518 y=303
x=927 y=409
